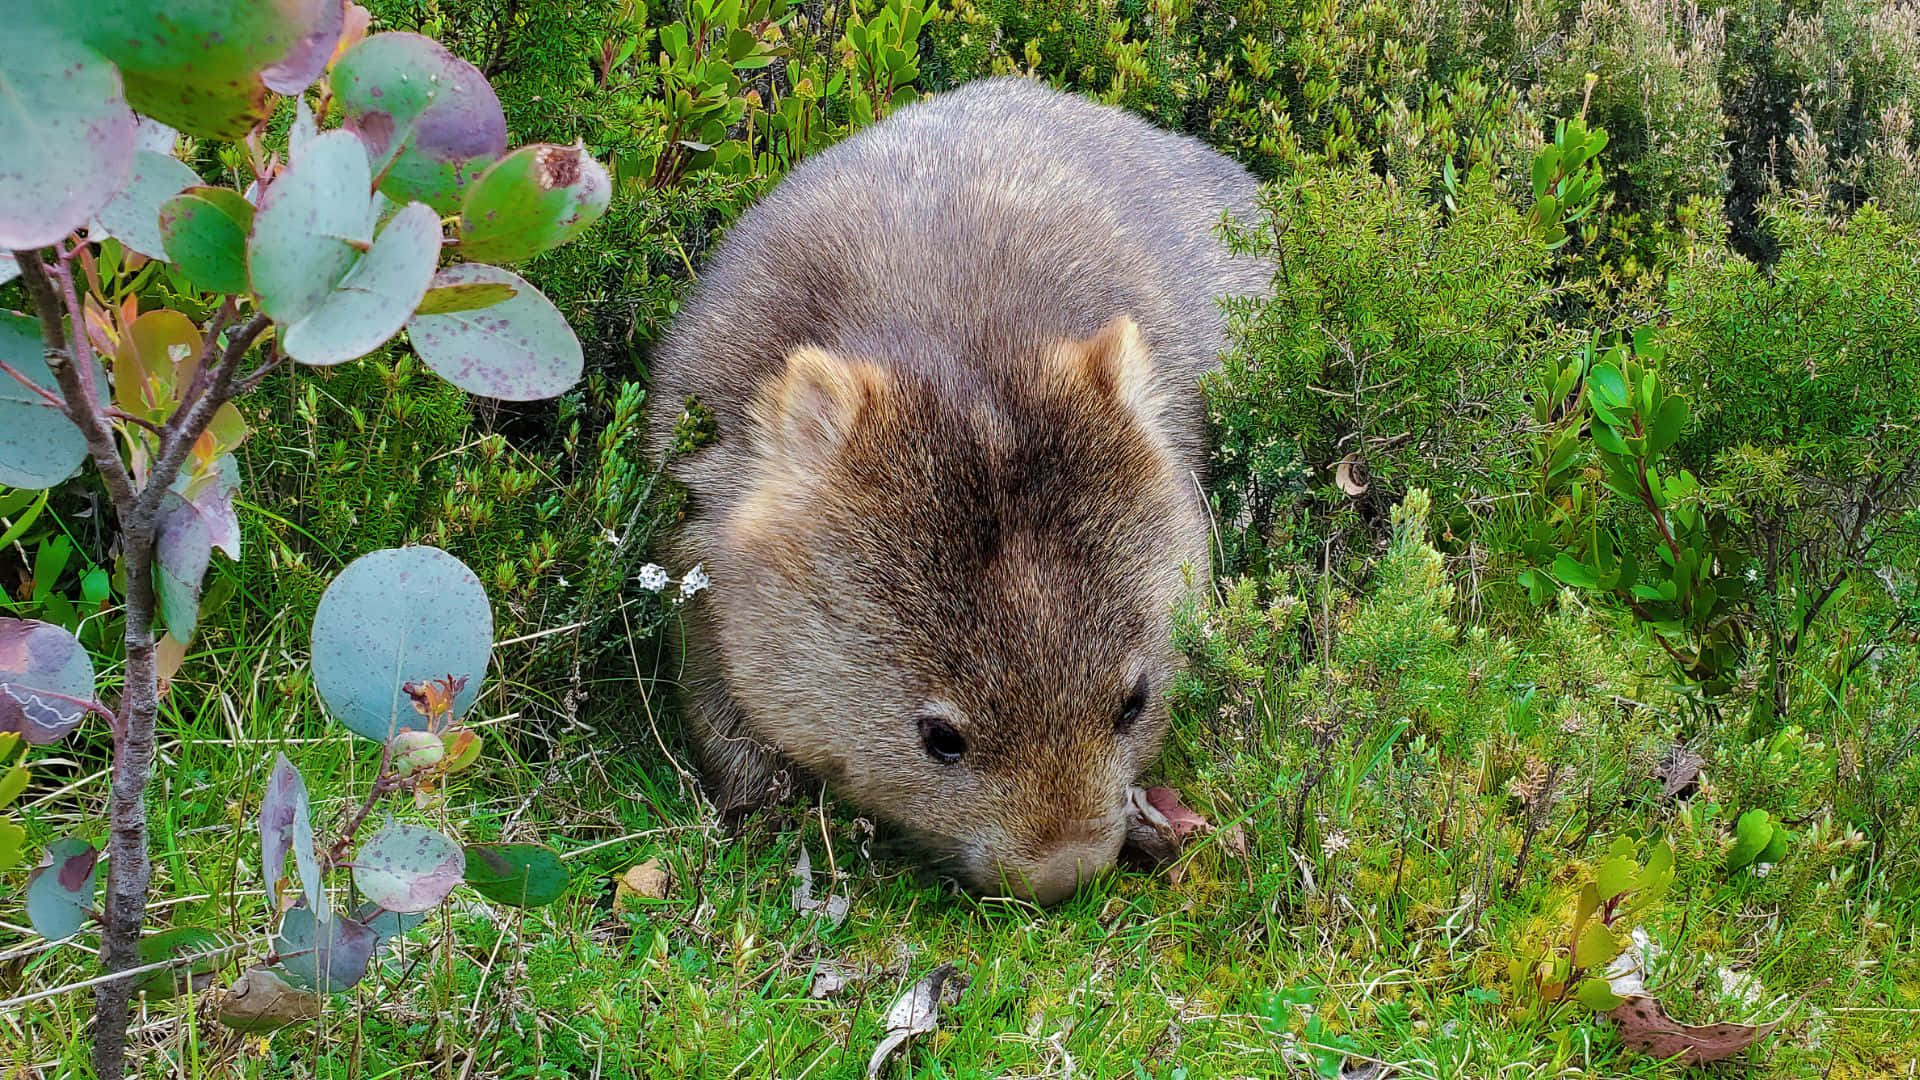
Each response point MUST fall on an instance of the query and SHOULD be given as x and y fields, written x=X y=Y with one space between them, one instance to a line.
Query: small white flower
x=693 y=583
x=653 y=577
x=611 y=537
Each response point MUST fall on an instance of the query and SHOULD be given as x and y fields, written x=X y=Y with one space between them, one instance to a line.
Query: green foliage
x=1393 y=344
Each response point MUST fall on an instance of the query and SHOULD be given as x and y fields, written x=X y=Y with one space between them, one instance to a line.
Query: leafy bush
x=335 y=252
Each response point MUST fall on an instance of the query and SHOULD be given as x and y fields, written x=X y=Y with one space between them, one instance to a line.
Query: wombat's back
x=982 y=224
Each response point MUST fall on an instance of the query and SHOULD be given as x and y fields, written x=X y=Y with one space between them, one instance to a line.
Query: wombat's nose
x=1077 y=858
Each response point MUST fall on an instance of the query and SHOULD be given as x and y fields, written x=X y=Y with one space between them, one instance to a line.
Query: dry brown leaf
x=260 y=1001
x=648 y=881
x=916 y=1012
x=833 y=909
x=168 y=654
x=1646 y=1027
x=829 y=979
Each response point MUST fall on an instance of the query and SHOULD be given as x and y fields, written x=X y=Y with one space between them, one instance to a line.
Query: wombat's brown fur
x=953 y=363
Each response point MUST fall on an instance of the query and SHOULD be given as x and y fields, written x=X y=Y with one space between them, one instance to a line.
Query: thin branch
x=82 y=408
x=126 y=973
x=46 y=395
x=81 y=347
x=251 y=380
x=117 y=413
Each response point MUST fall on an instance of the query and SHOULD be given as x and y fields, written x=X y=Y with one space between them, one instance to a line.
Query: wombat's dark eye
x=1131 y=709
x=943 y=743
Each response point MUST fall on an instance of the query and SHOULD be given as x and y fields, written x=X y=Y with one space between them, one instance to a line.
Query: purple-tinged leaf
x=182 y=549
x=408 y=868
x=303 y=63
x=520 y=349
x=44 y=677
x=373 y=301
x=428 y=118
x=60 y=889
x=393 y=617
x=66 y=132
x=520 y=875
x=311 y=227
x=132 y=216
x=329 y=956
x=286 y=824
x=530 y=201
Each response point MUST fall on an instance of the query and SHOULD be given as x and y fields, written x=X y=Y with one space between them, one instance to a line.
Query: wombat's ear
x=1115 y=363
x=808 y=412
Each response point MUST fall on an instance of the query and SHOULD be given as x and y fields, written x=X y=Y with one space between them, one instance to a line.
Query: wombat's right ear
x=808 y=412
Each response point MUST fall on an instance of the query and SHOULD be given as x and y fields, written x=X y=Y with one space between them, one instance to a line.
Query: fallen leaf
x=1646 y=1027
x=1679 y=773
x=917 y=1012
x=648 y=881
x=260 y=1000
x=828 y=980
x=834 y=908
x=1350 y=476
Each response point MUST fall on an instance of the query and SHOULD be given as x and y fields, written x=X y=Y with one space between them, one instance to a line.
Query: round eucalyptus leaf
x=60 y=889
x=45 y=676
x=373 y=301
x=204 y=231
x=202 y=65
x=388 y=924
x=408 y=868
x=520 y=349
x=521 y=875
x=394 y=617
x=429 y=119
x=133 y=215
x=530 y=201
x=327 y=955
x=39 y=446
x=66 y=132
x=310 y=228
x=296 y=70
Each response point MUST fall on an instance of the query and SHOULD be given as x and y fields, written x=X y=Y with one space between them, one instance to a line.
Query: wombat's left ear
x=1115 y=363
x=812 y=407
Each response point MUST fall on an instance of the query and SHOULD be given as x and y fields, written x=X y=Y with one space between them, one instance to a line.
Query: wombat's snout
x=1081 y=851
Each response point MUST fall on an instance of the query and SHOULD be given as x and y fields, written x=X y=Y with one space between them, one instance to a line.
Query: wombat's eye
x=1131 y=709
x=943 y=743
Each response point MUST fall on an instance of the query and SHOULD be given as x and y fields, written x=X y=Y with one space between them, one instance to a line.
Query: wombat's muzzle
x=1080 y=852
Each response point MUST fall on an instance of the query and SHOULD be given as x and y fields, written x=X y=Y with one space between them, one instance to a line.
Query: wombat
x=955 y=491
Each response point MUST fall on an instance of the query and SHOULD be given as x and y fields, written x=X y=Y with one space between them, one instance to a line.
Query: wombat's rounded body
x=955 y=492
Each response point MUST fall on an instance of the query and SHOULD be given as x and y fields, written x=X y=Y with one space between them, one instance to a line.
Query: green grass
x=1236 y=968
